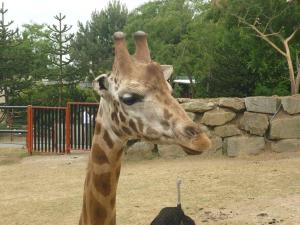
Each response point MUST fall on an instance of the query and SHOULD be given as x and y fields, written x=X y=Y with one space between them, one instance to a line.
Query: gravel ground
x=261 y=189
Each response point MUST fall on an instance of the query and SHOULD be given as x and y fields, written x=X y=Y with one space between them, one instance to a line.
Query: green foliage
x=275 y=19
x=166 y=23
x=36 y=38
x=233 y=61
x=203 y=40
x=280 y=88
x=60 y=50
x=227 y=72
x=15 y=58
x=92 y=49
x=48 y=95
x=177 y=91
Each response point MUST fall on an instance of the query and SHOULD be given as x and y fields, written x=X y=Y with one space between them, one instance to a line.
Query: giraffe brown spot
x=112 y=115
x=165 y=124
x=167 y=114
x=166 y=136
x=102 y=183
x=113 y=201
x=126 y=130
x=107 y=139
x=150 y=131
x=132 y=125
x=151 y=139
x=115 y=118
x=98 y=155
x=167 y=101
x=140 y=124
x=122 y=117
x=97 y=211
x=116 y=108
x=116 y=131
x=98 y=128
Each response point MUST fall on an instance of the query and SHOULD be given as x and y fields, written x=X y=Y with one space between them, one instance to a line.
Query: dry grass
x=255 y=190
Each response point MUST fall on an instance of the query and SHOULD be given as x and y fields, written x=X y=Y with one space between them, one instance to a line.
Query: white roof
x=184 y=81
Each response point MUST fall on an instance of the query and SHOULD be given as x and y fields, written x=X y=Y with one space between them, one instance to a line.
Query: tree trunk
x=60 y=63
x=297 y=79
x=291 y=69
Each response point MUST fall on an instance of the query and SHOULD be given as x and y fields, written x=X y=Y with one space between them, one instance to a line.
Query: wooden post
x=68 y=127
x=29 y=138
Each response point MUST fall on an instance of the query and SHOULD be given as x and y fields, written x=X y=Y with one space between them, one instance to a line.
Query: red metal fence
x=82 y=124
x=60 y=129
x=48 y=129
x=12 y=125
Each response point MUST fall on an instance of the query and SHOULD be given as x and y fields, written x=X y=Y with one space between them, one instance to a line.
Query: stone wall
x=239 y=126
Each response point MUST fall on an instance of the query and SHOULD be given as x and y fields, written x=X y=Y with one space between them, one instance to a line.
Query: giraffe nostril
x=191 y=131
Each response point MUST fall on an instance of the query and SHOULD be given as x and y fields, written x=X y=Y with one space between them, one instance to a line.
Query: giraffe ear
x=100 y=84
x=167 y=70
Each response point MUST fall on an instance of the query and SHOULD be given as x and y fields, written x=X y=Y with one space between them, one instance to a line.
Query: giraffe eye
x=131 y=98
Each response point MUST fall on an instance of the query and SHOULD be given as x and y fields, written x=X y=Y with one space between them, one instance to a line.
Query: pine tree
x=92 y=47
x=60 y=49
x=8 y=42
x=6 y=35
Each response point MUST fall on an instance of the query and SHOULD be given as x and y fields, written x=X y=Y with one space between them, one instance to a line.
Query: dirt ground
x=47 y=190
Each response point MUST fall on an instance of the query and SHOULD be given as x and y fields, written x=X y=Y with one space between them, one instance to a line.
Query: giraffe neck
x=99 y=200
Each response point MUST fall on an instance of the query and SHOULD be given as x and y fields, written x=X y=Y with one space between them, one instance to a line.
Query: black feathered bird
x=173 y=215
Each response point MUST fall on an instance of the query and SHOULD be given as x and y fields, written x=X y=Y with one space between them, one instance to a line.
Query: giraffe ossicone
x=136 y=103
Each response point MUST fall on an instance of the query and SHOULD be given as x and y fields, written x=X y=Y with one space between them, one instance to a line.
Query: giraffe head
x=137 y=102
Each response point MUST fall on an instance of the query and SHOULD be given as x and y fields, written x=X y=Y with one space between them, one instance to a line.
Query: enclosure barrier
x=48 y=129
x=10 y=117
x=82 y=124
x=60 y=129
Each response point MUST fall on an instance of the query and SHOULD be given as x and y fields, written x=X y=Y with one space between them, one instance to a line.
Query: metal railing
x=82 y=124
x=12 y=123
x=56 y=129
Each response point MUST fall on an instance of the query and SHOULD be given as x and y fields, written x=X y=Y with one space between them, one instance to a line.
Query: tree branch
x=266 y=38
x=261 y=34
x=278 y=34
x=292 y=35
x=274 y=17
x=271 y=34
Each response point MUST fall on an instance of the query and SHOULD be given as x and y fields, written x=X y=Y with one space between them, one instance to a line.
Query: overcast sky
x=42 y=11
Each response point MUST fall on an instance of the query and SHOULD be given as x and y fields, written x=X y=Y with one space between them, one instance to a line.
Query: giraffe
x=136 y=103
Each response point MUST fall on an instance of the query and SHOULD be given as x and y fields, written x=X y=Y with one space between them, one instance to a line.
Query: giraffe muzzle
x=195 y=141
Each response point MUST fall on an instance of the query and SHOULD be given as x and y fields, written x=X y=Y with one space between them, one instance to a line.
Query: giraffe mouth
x=190 y=151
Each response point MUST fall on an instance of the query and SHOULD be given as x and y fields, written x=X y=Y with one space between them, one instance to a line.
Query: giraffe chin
x=197 y=146
x=191 y=151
